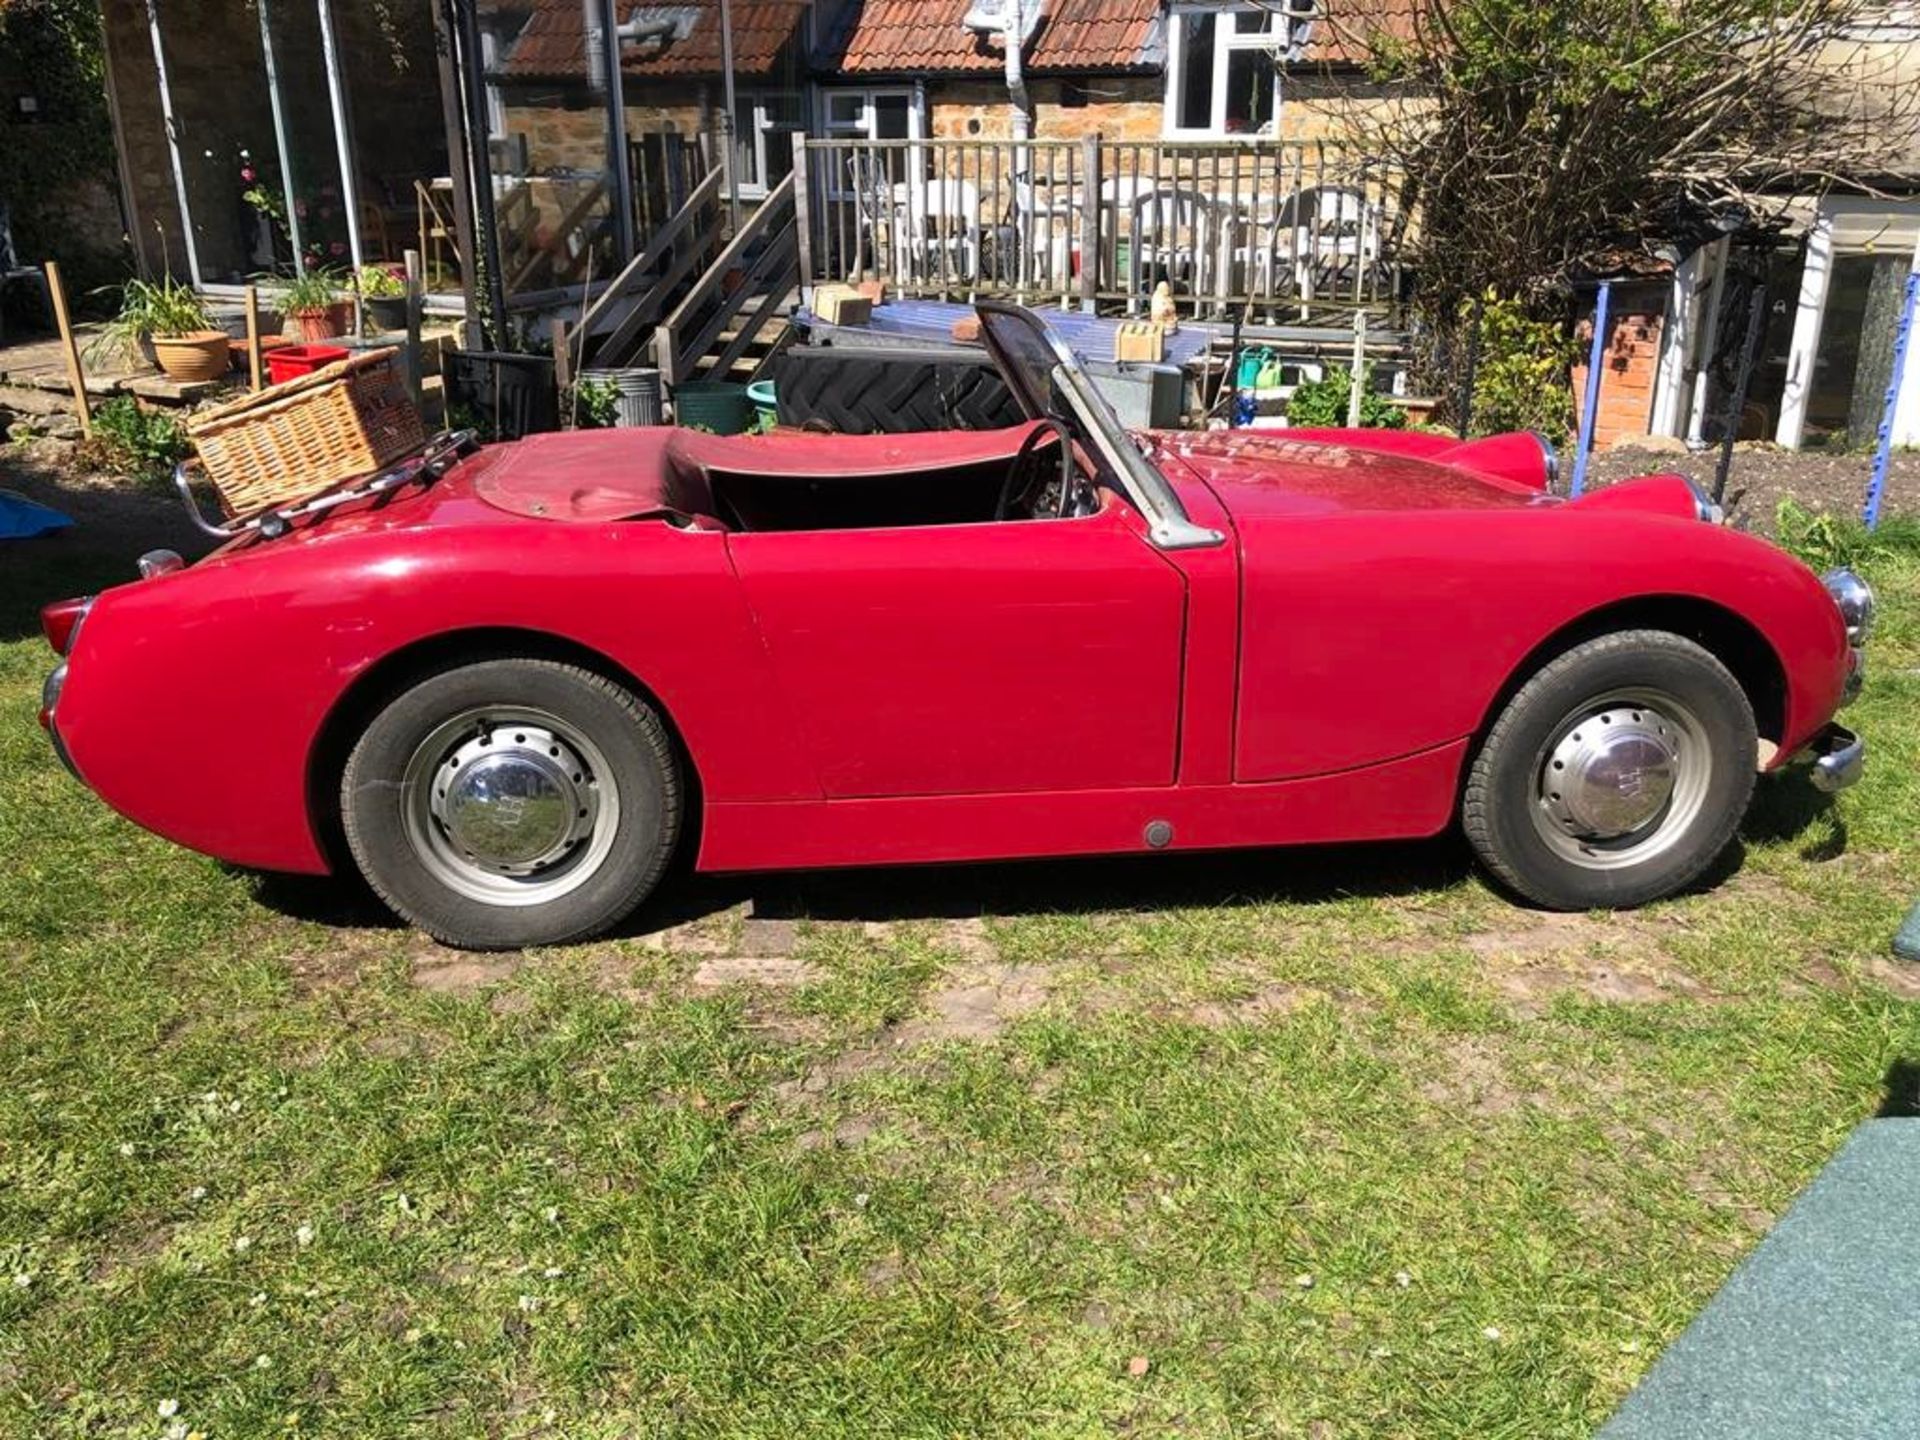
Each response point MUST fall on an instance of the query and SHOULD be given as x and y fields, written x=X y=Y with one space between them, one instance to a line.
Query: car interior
x=841 y=482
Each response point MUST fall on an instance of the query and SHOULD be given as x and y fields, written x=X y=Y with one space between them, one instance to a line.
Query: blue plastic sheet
x=21 y=518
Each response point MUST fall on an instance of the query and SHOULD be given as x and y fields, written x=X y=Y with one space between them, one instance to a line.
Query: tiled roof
x=552 y=45
x=906 y=37
x=1343 y=30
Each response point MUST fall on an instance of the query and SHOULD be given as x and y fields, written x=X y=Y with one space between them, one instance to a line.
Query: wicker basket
x=291 y=441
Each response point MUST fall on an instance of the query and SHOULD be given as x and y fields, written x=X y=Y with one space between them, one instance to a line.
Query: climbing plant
x=58 y=45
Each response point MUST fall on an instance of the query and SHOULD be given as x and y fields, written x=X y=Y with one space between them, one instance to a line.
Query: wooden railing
x=631 y=306
x=1291 y=231
x=741 y=291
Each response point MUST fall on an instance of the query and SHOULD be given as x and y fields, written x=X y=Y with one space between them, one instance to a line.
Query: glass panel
x=1250 y=81
x=891 y=117
x=1195 y=99
x=847 y=109
x=551 y=185
x=746 y=138
x=1254 y=22
x=1854 y=361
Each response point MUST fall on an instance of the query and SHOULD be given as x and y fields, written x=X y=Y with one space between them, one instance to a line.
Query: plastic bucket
x=637 y=394
x=717 y=405
x=766 y=403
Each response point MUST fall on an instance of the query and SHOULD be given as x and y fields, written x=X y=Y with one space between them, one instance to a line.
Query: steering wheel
x=1026 y=486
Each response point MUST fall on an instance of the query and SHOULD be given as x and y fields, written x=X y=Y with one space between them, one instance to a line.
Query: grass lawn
x=1300 y=1143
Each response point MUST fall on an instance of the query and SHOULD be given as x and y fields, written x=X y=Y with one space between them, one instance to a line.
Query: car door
x=1021 y=655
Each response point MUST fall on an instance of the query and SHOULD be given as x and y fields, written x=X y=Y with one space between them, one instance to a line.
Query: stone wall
x=565 y=127
x=1132 y=108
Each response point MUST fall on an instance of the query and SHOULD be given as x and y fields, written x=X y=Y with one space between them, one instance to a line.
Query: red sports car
x=508 y=686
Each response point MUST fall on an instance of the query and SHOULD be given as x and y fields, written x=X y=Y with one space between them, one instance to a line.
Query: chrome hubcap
x=1622 y=780
x=511 y=806
x=507 y=799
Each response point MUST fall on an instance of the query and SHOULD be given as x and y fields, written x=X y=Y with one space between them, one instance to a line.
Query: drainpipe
x=1015 y=35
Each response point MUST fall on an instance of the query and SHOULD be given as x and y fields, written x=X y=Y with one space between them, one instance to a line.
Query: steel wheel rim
x=510 y=805
x=1600 y=799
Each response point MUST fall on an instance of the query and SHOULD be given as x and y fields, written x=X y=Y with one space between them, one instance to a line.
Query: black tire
x=1511 y=808
x=598 y=879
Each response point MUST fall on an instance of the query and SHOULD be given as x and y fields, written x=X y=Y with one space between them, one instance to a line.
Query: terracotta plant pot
x=197 y=355
x=327 y=323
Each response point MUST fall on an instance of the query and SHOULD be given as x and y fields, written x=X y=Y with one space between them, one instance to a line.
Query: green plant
x=316 y=289
x=1826 y=541
x=377 y=282
x=1323 y=402
x=595 y=404
x=149 y=308
x=129 y=437
x=1522 y=381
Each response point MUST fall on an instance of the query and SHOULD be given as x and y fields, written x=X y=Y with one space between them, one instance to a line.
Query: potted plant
x=165 y=322
x=314 y=300
x=384 y=294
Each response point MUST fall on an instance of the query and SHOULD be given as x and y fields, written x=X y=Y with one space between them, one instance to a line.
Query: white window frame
x=1225 y=43
x=766 y=163
x=863 y=128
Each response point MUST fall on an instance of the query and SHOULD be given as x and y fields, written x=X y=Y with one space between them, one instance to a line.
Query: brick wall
x=1631 y=364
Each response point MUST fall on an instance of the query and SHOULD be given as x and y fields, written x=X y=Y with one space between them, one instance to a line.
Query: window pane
x=1196 y=72
x=845 y=108
x=746 y=159
x=890 y=117
x=1249 y=91
x=1254 y=22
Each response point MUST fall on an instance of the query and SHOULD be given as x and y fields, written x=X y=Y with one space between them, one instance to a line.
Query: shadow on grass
x=113 y=525
x=1303 y=876
x=1306 y=875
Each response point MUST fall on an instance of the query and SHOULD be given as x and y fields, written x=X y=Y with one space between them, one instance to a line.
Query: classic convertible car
x=510 y=685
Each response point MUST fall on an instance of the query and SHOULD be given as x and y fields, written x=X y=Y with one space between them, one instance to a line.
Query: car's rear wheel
x=512 y=802
x=1615 y=776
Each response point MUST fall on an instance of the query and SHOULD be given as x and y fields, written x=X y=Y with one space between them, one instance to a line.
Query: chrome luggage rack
x=423 y=467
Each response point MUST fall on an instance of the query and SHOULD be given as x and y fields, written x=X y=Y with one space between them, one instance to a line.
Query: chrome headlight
x=1705 y=507
x=1853 y=597
x=1549 y=460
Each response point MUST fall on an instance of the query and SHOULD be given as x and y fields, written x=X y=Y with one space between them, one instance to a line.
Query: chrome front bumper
x=1838 y=758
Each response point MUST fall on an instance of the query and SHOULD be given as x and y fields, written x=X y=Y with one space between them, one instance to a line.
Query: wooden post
x=416 y=301
x=1359 y=369
x=253 y=339
x=75 y=376
x=1090 y=215
x=563 y=360
x=803 y=216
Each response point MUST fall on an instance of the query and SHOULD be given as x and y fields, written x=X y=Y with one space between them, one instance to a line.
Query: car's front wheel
x=512 y=802
x=1615 y=775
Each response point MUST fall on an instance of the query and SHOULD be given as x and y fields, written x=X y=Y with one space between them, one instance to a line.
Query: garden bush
x=1322 y=403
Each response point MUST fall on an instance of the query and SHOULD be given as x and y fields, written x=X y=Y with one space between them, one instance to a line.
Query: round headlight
x=1854 y=598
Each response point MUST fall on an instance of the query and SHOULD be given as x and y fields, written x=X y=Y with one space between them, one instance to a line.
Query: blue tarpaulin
x=21 y=518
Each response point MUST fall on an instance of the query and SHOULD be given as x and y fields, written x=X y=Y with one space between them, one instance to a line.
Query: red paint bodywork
x=946 y=692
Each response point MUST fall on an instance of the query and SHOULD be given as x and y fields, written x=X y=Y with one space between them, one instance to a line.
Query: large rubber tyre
x=612 y=759
x=1673 y=694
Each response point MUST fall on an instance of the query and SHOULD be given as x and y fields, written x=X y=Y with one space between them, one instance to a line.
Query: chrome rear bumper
x=1838 y=757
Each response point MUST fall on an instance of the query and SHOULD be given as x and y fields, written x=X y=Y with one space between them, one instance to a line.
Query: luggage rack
x=428 y=464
